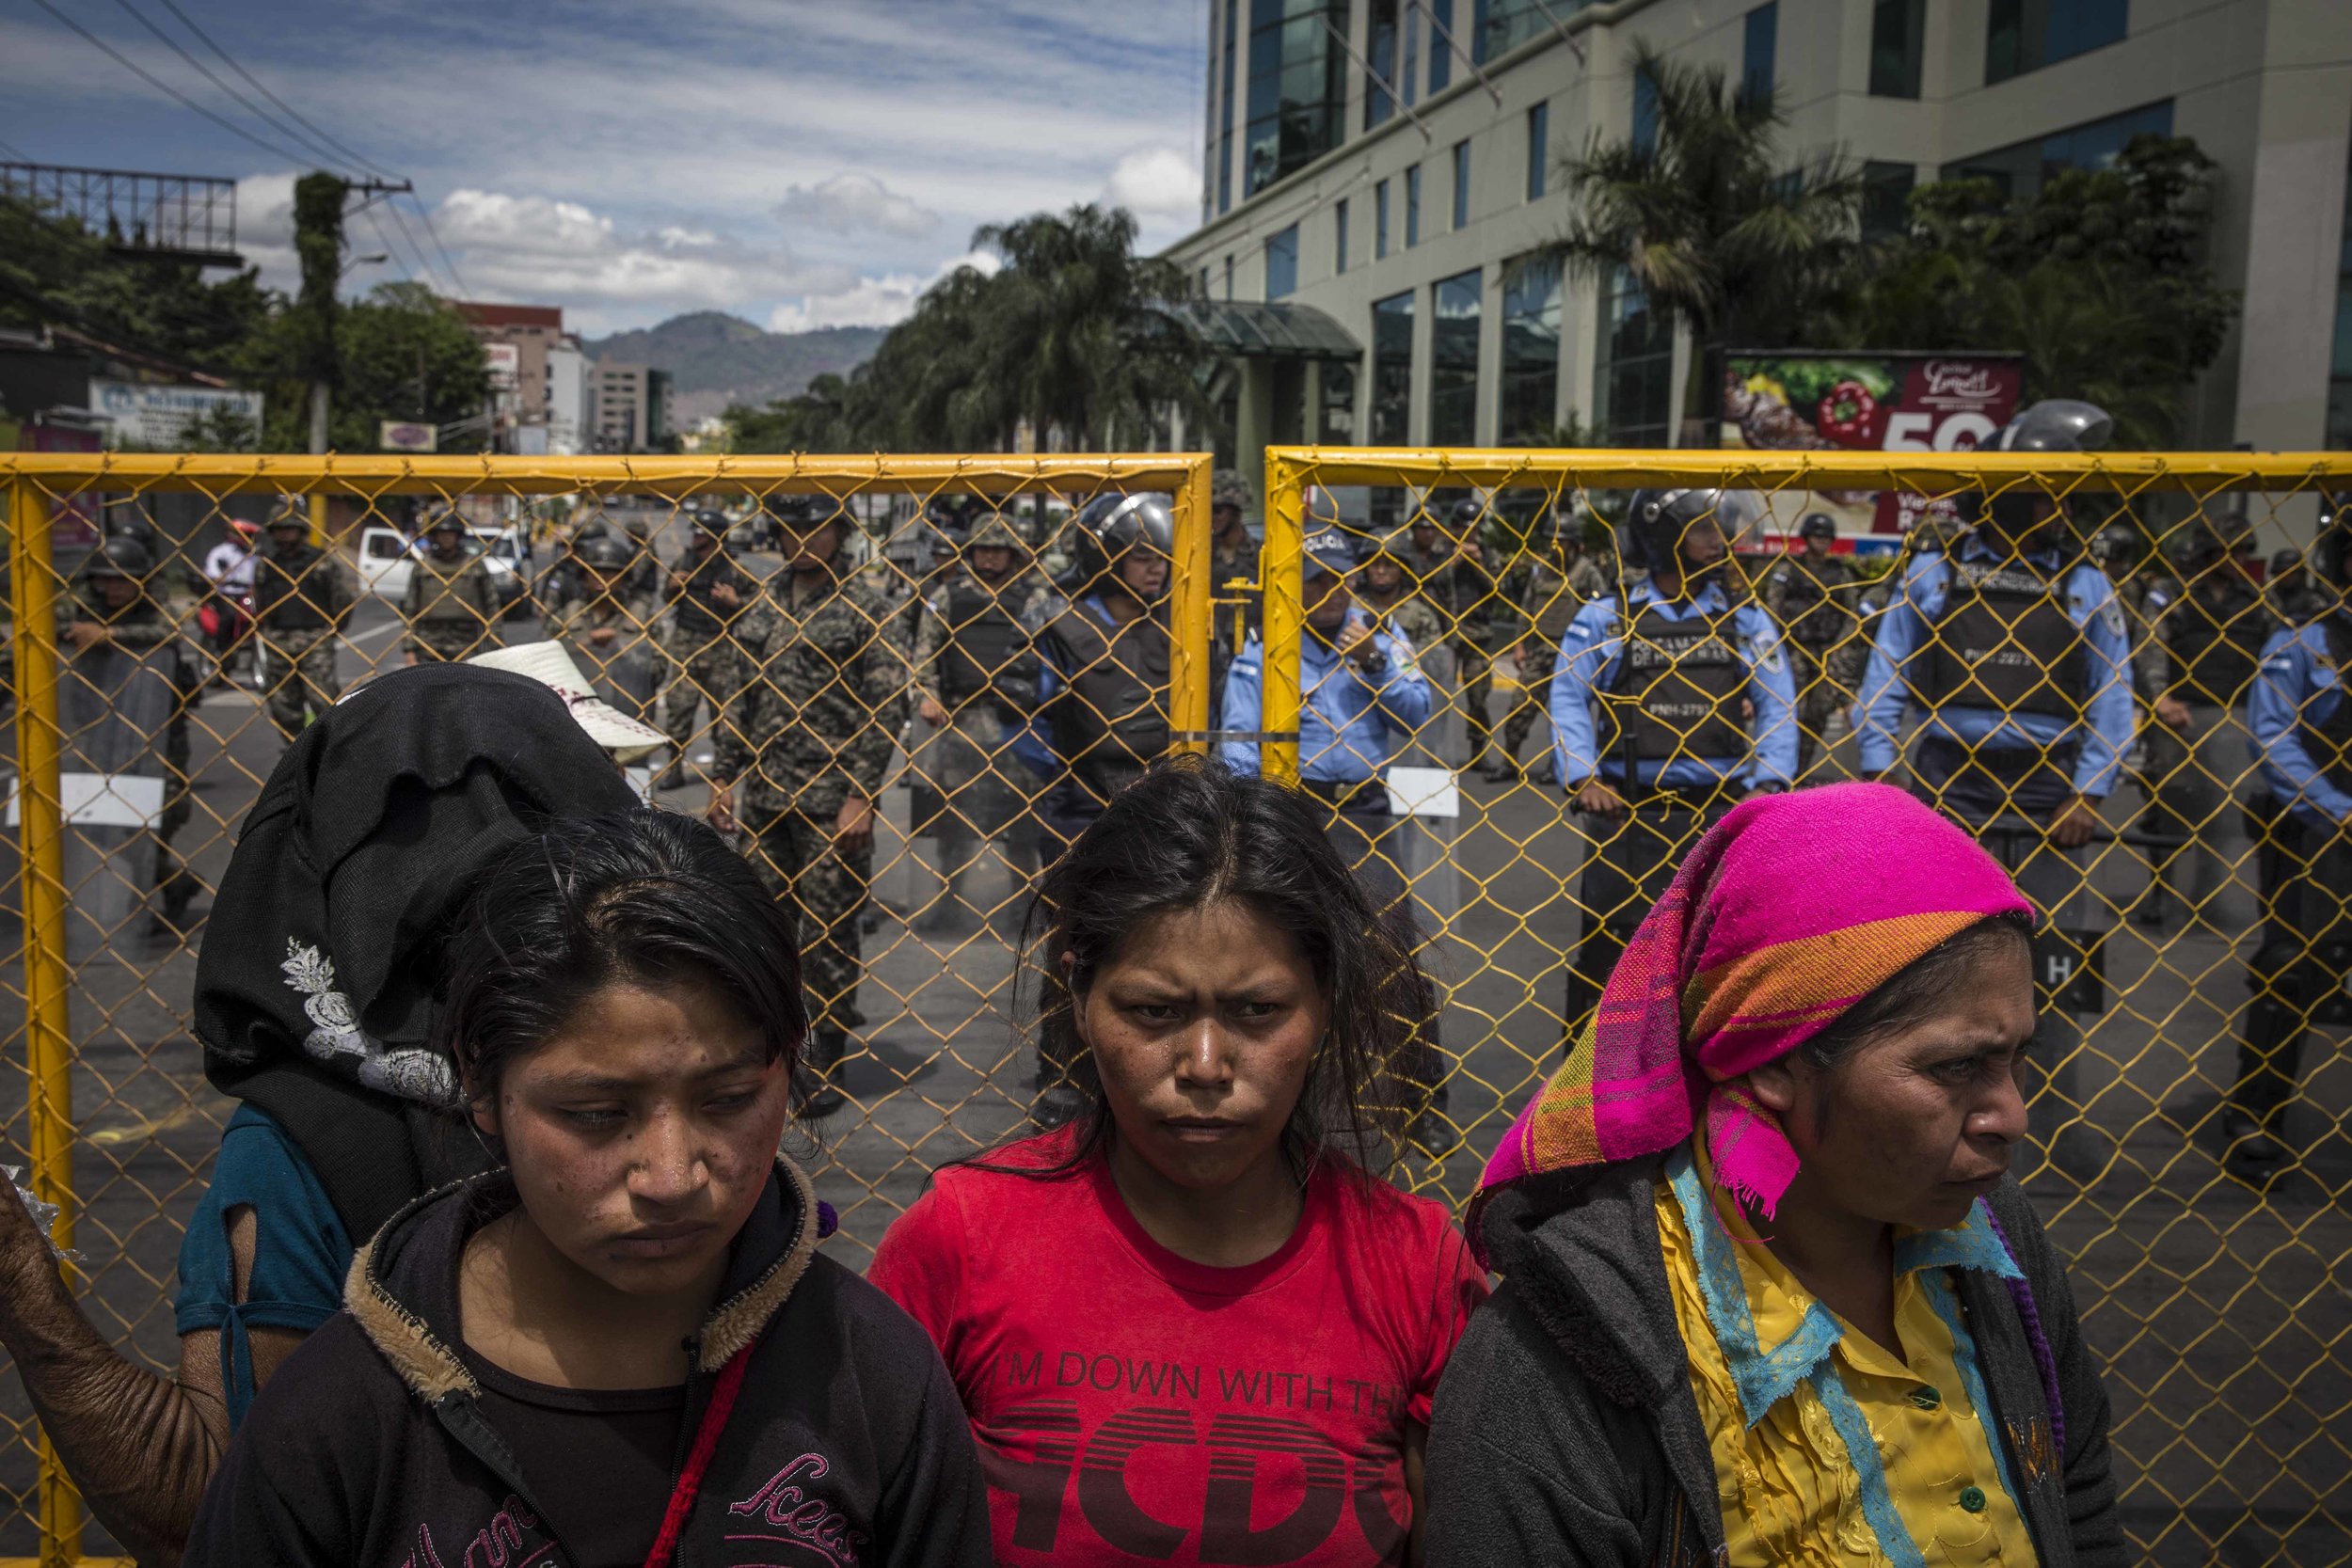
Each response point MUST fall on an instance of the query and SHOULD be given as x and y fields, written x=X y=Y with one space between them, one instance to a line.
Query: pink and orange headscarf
x=1790 y=910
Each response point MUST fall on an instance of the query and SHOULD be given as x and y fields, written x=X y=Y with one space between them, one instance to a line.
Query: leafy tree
x=816 y=420
x=401 y=354
x=1725 y=239
x=2099 y=281
x=55 y=272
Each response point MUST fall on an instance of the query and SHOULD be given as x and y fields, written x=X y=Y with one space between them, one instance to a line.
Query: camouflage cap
x=994 y=529
x=1226 y=489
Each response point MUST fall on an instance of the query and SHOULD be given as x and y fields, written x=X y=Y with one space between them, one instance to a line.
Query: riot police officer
x=1559 y=580
x=608 y=626
x=2013 y=649
x=1450 y=566
x=302 y=595
x=822 y=716
x=1106 y=660
x=1812 y=592
x=2302 y=730
x=976 y=674
x=716 y=616
x=451 y=608
x=2211 y=623
x=1695 y=706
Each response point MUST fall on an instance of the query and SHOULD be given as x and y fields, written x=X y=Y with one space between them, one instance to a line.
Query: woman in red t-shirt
x=1191 y=1326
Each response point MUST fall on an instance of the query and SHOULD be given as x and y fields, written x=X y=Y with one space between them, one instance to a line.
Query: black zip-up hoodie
x=848 y=1444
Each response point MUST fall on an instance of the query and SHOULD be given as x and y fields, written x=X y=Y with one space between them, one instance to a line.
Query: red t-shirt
x=1131 y=1404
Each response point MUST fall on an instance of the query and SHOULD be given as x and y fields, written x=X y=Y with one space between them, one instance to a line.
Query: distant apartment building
x=1373 y=167
x=631 y=410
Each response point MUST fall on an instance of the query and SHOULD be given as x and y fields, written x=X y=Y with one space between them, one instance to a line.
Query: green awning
x=1251 y=329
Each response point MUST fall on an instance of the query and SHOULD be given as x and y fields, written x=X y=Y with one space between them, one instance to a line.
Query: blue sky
x=801 y=163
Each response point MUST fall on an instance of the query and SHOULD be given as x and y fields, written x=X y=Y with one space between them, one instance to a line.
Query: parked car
x=388 y=558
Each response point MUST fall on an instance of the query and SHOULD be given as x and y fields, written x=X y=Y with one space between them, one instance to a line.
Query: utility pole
x=317 y=205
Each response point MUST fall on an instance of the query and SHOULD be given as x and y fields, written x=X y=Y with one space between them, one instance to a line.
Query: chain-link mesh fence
x=2066 y=654
x=812 y=641
x=976 y=673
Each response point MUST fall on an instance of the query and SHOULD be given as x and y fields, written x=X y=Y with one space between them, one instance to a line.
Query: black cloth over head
x=315 y=984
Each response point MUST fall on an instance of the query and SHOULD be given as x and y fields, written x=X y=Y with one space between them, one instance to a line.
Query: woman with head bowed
x=1770 y=1294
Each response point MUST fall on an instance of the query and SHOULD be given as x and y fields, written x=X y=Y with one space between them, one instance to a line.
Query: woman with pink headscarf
x=1769 y=1294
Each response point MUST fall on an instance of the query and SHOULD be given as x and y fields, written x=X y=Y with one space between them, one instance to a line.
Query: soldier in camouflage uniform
x=1232 y=555
x=716 y=614
x=1450 y=564
x=609 y=628
x=802 y=771
x=1560 y=580
x=451 y=608
x=302 y=595
x=1385 y=588
x=976 y=679
x=1812 y=595
x=112 y=605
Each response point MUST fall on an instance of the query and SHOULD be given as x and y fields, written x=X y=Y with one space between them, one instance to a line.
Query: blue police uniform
x=1351 y=726
x=2296 y=701
x=2101 y=726
x=1670 y=676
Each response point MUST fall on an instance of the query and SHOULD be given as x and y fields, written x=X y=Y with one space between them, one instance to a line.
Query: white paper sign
x=1424 y=792
x=103 y=800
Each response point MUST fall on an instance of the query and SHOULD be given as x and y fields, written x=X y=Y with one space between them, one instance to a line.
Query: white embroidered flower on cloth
x=417 y=1075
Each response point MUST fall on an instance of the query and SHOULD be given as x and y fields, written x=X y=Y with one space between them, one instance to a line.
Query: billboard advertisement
x=1809 y=401
x=405 y=435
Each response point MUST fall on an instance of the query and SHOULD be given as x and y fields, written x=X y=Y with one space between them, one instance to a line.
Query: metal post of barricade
x=1284 y=617
x=1189 y=611
x=48 y=1051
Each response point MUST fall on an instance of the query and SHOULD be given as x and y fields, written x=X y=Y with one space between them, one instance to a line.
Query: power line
x=291 y=112
x=17 y=152
x=410 y=234
x=399 y=258
x=243 y=103
x=427 y=219
x=165 y=87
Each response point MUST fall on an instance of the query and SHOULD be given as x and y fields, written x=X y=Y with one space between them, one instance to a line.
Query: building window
x=1380 y=221
x=2021 y=168
x=1392 y=370
x=1885 y=198
x=1339 y=403
x=1440 y=45
x=1633 y=392
x=2339 y=438
x=1531 y=351
x=1897 y=32
x=2025 y=35
x=1461 y=184
x=1762 y=41
x=1297 y=89
x=1499 y=26
x=1453 y=360
x=1380 y=59
x=1281 y=263
x=1645 y=111
x=1412 y=207
x=1229 y=277
x=1412 y=55
x=1204 y=282
x=1338 y=237
x=1224 y=120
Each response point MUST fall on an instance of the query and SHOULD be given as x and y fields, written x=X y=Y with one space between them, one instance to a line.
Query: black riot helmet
x=119 y=555
x=1111 y=525
x=1818 y=525
x=712 y=522
x=1660 y=523
x=601 y=552
x=2053 y=425
x=2118 y=547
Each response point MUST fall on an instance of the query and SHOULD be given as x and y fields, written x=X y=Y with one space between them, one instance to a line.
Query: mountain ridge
x=716 y=359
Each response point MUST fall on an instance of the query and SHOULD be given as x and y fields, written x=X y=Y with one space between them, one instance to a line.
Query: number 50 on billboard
x=1794 y=401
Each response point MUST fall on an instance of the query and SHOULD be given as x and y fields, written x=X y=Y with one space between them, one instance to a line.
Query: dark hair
x=1914 y=990
x=641 y=896
x=1192 y=832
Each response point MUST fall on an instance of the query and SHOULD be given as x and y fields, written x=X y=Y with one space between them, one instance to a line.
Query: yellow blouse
x=1829 y=1448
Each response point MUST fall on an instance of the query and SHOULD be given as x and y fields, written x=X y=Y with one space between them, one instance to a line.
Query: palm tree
x=1725 y=241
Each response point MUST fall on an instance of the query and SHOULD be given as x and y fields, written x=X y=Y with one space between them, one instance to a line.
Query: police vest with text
x=1676 y=690
x=985 y=640
x=2005 y=642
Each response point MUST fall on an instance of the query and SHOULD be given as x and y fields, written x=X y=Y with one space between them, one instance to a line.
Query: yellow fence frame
x=33 y=481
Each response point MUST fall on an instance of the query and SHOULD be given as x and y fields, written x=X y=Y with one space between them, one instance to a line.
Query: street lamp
x=375 y=260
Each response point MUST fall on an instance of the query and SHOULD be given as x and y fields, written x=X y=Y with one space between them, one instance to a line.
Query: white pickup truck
x=388 y=558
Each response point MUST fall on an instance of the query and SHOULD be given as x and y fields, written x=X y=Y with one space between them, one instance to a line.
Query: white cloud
x=1156 y=182
x=856 y=203
x=871 y=301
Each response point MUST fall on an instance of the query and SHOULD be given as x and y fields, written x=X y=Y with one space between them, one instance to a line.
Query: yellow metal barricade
x=2213 y=1292
x=150 y=708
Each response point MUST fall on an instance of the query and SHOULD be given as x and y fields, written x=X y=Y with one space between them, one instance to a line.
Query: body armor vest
x=984 y=641
x=1113 y=707
x=1676 y=690
x=2005 y=642
x=296 y=589
x=1816 y=617
x=2214 y=635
